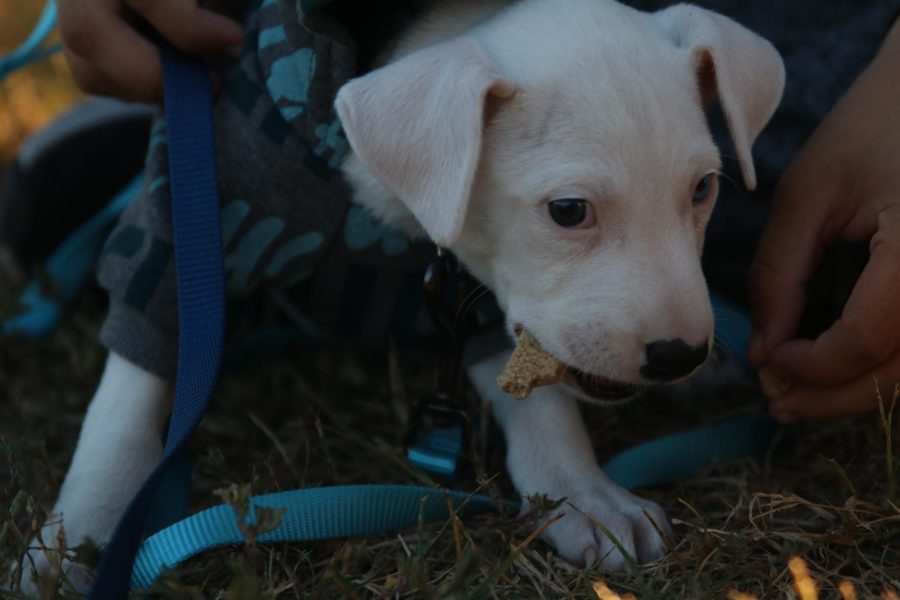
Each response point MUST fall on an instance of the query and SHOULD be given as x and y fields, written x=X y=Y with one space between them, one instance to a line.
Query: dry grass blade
x=887 y=424
x=736 y=595
x=804 y=584
x=847 y=590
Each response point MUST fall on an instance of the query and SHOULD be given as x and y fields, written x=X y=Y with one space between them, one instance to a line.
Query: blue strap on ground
x=201 y=296
x=311 y=514
x=357 y=510
x=30 y=50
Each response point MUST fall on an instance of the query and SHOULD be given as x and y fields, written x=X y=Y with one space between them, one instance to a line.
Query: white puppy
x=560 y=149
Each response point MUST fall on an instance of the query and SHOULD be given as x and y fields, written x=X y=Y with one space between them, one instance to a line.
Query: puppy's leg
x=119 y=445
x=548 y=452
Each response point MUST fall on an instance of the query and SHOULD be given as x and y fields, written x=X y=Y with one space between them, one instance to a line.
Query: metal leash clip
x=450 y=433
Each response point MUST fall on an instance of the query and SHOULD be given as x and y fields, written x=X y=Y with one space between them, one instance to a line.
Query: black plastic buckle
x=442 y=449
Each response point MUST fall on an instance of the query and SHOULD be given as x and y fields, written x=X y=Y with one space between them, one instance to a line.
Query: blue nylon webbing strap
x=30 y=50
x=311 y=514
x=355 y=510
x=201 y=295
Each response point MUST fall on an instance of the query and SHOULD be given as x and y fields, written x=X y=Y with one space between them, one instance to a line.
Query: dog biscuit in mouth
x=529 y=367
x=773 y=382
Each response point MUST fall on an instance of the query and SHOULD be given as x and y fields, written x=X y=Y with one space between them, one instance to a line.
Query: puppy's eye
x=703 y=189
x=571 y=212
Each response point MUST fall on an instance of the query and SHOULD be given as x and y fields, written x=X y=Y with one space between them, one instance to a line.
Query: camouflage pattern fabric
x=286 y=216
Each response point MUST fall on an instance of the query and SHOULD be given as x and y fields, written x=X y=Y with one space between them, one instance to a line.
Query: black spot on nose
x=668 y=360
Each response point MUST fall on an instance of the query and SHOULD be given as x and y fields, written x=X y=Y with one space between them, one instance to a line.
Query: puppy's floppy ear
x=741 y=67
x=417 y=123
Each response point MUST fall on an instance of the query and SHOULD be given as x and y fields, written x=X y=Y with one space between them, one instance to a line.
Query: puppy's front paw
x=45 y=573
x=579 y=535
x=51 y=566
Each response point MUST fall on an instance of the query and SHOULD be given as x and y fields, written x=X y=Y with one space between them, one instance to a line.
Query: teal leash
x=311 y=514
x=359 y=510
x=30 y=50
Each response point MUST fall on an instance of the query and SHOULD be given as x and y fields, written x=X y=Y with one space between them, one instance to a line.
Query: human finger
x=190 y=27
x=110 y=52
x=88 y=77
x=866 y=334
x=804 y=402
x=788 y=252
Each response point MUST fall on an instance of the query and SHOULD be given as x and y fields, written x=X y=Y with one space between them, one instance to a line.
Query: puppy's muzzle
x=668 y=360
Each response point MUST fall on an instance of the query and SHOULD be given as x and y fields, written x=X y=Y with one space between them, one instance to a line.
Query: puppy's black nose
x=672 y=359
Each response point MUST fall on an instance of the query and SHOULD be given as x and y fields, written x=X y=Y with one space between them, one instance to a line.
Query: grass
x=824 y=494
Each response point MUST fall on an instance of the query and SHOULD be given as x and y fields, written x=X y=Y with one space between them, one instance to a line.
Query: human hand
x=843 y=185
x=108 y=56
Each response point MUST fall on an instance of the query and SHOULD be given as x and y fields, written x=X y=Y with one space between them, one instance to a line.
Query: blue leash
x=313 y=514
x=201 y=295
x=357 y=510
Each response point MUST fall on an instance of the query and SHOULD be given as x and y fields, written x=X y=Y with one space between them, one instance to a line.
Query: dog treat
x=773 y=382
x=529 y=367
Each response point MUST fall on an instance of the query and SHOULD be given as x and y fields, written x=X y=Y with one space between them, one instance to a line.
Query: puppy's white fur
x=485 y=113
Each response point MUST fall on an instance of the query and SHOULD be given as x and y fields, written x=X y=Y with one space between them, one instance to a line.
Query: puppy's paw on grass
x=46 y=572
x=75 y=579
x=610 y=528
